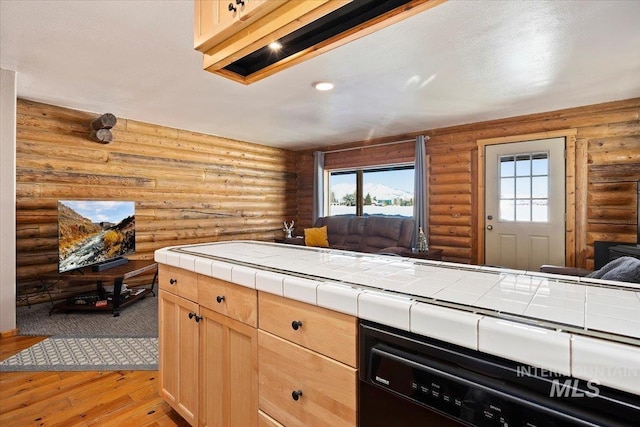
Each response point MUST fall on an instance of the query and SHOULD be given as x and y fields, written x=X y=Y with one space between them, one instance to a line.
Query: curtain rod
x=426 y=138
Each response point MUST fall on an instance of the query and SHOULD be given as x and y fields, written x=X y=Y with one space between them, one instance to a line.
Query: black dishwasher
x=409 y=380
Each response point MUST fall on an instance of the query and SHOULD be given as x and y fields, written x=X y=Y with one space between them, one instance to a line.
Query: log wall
x=188 y=187
x=607 y=166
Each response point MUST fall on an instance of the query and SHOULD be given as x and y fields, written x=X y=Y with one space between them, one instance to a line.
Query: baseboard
x=8 y=334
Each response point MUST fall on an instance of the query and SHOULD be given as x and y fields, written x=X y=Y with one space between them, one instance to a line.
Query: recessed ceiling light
x=275 y=45
x=323 y=86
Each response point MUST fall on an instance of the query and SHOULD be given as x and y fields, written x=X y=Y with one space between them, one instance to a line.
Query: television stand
x=109 y=264
x=99 y=301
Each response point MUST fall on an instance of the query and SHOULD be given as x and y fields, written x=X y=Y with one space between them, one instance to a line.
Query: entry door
x=525 y=204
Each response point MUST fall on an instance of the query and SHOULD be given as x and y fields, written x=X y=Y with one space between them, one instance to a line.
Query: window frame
x=360 y=171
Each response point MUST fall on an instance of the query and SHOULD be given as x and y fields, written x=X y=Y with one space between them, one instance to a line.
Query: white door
x=525 y=204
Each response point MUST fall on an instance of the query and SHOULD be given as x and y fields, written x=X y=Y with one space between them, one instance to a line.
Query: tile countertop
x=582 y=327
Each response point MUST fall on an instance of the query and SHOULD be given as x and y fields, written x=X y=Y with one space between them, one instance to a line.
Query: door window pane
x=523 y=210
x=540 y=164
x=528 y=175
x=507 y=210
x=523 y=188
x=507 y=166
x=506 y=188
x=540 y=210
x=523 y=165
x=539 y=187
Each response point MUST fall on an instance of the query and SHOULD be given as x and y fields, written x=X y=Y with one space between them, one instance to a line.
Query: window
x=524 y=187
x=372 y=191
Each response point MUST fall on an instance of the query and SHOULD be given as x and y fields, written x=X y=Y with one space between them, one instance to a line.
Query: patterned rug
x=86 y=354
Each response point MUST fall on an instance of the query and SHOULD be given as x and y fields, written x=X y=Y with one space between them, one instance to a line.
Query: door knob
x=489 y=227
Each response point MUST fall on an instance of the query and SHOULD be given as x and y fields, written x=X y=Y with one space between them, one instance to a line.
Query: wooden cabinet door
x=178 y=346
x=211 y=19
x=229 y=372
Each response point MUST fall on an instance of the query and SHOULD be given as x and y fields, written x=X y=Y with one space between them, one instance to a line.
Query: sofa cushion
x=380 y=233
x=316 y=237
x=337 y=229
x=353 y=239
x=624 y=269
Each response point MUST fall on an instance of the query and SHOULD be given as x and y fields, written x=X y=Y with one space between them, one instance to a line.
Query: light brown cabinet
x=178 y=351
x=228 y=371
x=230 y=30
x=218 y=369
x=307 y=363
x=208 y=349
x=216 y=20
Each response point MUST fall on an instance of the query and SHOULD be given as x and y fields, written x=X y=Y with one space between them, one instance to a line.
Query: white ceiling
x=460 y=62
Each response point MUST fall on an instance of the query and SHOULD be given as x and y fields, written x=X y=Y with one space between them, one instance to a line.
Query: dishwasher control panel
x=471 y=404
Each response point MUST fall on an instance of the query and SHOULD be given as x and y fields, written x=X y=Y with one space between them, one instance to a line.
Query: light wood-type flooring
x=88 y=398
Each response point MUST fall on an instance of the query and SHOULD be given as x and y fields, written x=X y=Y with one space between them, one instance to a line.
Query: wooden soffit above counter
x=234 y=35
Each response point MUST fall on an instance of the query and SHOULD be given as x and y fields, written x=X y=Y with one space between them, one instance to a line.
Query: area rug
x=139 y=319
x=86 y=354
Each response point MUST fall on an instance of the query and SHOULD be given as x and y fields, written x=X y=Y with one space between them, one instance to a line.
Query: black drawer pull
x=296 y=324
x=220 y=298
x=192 y=315
x=173 y=281
x=296 y=394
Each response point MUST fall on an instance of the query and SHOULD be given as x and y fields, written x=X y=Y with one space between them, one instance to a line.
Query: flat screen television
x=95 y=232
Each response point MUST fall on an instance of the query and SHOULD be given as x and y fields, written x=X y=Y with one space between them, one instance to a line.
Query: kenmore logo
x=569 y=388
x=382 y=380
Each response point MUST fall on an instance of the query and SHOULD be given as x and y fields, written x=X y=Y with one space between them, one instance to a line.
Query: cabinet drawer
x=238 y=302
x=265 y=420
x=178 y=281
x=325 y=331
x=328 y=388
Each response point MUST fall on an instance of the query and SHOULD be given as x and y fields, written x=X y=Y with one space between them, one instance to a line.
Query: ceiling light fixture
x=275 y=45
x=323 y=86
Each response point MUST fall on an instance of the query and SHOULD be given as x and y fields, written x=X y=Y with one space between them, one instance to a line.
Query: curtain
x=318 y=185
x=420 y=190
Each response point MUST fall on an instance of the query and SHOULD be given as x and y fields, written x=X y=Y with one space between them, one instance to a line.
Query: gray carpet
x=139 y=319
x=86 y=354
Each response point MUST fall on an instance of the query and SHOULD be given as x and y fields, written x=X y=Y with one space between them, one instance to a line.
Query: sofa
x=371 y=234
x=623 y=269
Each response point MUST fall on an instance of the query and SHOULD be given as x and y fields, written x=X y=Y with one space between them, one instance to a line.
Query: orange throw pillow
x=316 y=237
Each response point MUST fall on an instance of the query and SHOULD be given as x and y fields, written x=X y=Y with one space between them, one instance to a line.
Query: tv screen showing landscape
x=92 y=231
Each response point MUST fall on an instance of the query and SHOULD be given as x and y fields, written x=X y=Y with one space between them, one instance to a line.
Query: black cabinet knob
x=220 y=298
x=232 y=8
x=198 y=318
x=296 y=394
x=193 y=315
x=240 y=2
x=173 y=281
x=296 y=324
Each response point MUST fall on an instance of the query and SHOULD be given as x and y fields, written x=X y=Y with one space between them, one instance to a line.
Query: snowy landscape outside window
x=385 y=191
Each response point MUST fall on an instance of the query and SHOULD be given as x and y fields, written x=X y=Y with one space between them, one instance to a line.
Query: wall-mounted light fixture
x=101 y=128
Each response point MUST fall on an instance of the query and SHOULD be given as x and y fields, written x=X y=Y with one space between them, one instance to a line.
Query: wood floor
x=105 y=398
